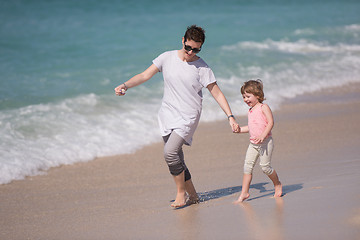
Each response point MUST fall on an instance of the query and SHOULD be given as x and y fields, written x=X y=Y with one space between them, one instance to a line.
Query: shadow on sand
x=286 y=189
x=223 y=192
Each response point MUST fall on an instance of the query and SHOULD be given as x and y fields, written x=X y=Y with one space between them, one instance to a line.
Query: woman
x=185 y=74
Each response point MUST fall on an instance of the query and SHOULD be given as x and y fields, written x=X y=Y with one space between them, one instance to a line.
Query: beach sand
x=128 y=196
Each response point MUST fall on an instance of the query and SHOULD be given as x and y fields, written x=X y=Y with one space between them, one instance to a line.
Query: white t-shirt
x=182 y=101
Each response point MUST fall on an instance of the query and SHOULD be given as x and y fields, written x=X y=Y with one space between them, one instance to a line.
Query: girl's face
x=250 y=99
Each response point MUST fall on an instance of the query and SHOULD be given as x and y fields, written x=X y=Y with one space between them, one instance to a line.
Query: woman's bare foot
x=193 y=199
x=278 y=190
x=180 y=200
x=242 y=197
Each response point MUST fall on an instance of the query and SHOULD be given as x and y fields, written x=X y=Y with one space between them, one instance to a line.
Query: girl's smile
x=250 y=99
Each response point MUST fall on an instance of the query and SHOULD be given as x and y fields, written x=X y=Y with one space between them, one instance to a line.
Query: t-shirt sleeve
x=159 y=61
x=206 y=76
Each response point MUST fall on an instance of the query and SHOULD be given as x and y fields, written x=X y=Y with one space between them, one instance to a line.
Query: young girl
x=260 y=123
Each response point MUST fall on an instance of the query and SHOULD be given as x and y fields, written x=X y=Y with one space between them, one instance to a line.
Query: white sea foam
x=353 y=27
x=38 y=137
x=305 y=45
x=301 y=46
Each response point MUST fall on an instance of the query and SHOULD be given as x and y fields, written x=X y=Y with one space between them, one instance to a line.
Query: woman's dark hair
x=195 y=33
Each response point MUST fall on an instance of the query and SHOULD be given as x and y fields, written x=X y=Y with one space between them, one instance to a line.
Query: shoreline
x=128 y=196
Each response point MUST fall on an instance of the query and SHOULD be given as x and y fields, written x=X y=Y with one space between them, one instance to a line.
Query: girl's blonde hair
x=254 y=87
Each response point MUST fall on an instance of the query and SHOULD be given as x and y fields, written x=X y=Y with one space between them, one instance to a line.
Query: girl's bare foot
x=242 y=197
x=278 y=190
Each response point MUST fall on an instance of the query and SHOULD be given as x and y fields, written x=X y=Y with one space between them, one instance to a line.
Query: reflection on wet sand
x=187 y=224
x=266 y=224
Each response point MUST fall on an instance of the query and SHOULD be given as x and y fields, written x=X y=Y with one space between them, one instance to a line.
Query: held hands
x=235 y=127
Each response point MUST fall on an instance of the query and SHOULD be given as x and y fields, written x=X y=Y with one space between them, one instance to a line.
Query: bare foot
x=193 y=200
x=242 y=197
x=278 y=190
x=180 y=201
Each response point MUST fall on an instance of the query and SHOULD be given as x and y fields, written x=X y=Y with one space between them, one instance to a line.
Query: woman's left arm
x=223 y=103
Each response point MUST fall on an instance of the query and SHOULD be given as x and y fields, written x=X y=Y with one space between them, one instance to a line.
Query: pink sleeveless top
x=256 y=122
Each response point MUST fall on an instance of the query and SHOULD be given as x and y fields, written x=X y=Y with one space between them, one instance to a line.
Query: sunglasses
x=188 y=48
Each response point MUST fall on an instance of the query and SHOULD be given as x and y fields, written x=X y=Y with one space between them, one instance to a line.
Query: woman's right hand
x=120 y=90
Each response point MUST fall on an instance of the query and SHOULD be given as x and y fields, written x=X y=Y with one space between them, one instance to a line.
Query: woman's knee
x=170 y=154
x=174 y=162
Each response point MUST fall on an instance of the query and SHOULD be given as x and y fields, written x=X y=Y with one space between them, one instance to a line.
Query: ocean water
x=60 y=61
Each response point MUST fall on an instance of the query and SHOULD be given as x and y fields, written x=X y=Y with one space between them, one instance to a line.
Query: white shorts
x=263 y=151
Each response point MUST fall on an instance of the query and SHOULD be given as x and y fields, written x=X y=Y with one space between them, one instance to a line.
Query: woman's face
x=191 y=48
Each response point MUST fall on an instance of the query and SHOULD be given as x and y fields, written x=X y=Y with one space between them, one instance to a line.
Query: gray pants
x=174 y=155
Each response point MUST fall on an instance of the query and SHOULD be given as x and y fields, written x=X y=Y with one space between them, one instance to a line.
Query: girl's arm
x=223 y=103
x=244 y=129
x=136 y=80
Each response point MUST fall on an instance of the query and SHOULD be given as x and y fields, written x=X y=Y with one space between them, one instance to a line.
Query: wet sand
x=128 y=196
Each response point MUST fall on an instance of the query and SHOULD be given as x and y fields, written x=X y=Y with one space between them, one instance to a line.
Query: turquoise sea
x=60 y=61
